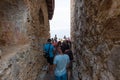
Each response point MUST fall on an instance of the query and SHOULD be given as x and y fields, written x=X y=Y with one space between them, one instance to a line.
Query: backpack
x=46 y=53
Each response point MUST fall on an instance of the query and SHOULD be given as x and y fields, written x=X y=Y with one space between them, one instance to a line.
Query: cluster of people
x=60 y=58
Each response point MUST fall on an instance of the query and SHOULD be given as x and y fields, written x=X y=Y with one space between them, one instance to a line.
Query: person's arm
x=54 y=63
x=66 y=50
x=54 y=50
x=54 y=66
x=68 y=65
x=68 y=60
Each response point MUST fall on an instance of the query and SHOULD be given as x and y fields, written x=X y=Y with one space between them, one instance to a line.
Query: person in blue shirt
x=61 y=63
x=48 y=47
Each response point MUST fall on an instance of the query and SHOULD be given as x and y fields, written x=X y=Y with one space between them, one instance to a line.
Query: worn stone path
x=46 y=76
x=49 y=77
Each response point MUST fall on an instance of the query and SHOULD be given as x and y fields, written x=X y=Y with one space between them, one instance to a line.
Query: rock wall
x=96 y=39
x=24 y=28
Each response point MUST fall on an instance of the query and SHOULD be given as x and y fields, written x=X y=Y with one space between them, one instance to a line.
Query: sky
x=60 y=23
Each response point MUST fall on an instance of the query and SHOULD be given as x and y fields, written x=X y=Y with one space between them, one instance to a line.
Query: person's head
x=58 y=44
x=63 y=49
x=49 y=40
x=59 y=50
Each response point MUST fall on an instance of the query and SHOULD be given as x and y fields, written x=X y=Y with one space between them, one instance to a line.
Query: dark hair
x=49 y=40
x=62 y=48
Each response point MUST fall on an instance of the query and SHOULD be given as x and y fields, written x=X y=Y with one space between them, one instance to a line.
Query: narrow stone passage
x=95 y=35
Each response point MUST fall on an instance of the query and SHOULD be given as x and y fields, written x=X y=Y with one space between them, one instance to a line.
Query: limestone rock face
x=95 y=34
x=24 y=28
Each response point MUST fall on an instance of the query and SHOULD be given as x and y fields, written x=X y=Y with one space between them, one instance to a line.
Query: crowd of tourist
x=59 y=58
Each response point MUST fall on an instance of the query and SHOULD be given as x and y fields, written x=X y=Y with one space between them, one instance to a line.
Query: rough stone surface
x=24 y=28
x=96 y=39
